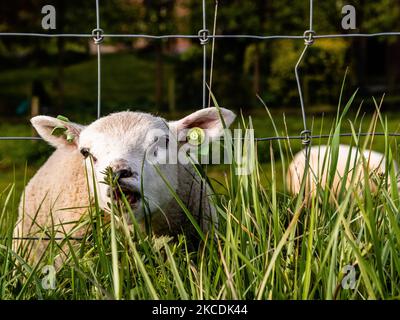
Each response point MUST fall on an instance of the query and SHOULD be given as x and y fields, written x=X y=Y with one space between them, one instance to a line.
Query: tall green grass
x=268 y=244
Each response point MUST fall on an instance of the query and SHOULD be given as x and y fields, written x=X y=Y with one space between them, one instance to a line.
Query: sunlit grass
x=268 y=245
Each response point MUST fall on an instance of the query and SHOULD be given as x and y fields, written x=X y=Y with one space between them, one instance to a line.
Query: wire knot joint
x=98 y=36
x=305 y=137
x=309 y=37
x=204 y=36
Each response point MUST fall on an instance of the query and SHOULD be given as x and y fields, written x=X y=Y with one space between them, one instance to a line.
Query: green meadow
x=269 y=244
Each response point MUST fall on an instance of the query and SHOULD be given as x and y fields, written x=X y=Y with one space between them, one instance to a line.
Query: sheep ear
x=211 y=120
x=58 y=132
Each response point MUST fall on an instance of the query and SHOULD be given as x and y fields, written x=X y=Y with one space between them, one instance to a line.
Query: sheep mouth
x=132 y=196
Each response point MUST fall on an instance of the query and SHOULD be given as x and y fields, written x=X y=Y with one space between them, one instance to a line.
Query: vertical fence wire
x=212 y=53
x=98 y=44
x=306 y=133
x=205 y=34
x=299 y=88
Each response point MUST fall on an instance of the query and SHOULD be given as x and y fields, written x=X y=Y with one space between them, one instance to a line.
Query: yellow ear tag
x=196 y=136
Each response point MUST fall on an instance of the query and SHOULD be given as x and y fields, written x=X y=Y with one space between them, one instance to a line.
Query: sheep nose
x=123 y=173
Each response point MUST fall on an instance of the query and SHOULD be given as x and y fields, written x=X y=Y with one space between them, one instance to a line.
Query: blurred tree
x=158 y=18
x=159 y=14
x=268 y=65
x=242 y=67
x=26 y=16
x=377 y=57
x=71 y=17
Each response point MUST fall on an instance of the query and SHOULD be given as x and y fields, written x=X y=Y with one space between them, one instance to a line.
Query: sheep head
x=134 y=149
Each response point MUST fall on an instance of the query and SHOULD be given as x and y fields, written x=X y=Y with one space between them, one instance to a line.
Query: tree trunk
x=256 y=81
x=159 y=76
x=60 y=75
x=61 y=54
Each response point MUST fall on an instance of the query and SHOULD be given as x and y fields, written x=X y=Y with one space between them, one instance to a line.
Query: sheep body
x=50 y=198
x=58 y=185
x=349 y=159
x=59 y=193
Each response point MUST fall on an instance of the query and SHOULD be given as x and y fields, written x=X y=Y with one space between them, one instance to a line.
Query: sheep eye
x=166 y=141
x=85 y=152
x=162 y=141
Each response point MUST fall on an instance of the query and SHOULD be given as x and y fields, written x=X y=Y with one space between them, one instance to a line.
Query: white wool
x=59 y=193
x=318 y=171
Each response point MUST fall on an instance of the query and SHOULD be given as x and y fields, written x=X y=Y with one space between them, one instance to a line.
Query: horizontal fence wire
x=44 y=238
x=299 y=137
x=196 y=36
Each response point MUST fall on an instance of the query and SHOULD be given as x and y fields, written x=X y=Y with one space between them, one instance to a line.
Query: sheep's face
x=130 y=149
x=116 y=148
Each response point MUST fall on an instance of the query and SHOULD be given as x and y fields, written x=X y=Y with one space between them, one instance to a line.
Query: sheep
x=319 y=160
x=61 y=191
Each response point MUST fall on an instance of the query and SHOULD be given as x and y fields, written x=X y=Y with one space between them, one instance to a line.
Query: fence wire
x=196 y=36
x=204 y=36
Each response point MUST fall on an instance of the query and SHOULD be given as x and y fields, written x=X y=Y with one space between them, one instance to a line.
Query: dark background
x=166 y=75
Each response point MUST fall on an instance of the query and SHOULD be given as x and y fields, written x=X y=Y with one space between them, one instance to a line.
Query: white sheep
x=58 y=193
x=349 y=165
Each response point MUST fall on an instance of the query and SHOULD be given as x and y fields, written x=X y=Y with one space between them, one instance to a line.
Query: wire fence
x=204 y=37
